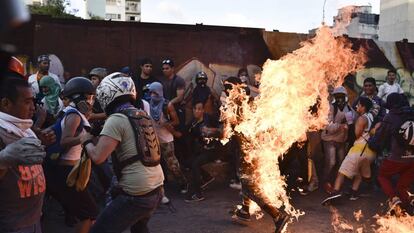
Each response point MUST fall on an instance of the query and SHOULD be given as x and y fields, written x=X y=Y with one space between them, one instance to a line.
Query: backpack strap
x=120 y=165
x=173 y=85
x=165 y=109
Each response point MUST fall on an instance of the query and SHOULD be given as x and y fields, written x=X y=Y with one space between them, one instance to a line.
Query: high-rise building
x=357 y=22
x=397 y=20
x=133 y=10
x=35 y=2
x=115 y=10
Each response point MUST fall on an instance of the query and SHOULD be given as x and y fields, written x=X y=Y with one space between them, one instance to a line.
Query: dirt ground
x=212 y=215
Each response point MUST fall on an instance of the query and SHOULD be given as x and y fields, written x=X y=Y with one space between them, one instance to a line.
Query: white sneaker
x=165 y=200
x=236 y=185
x=394 y=206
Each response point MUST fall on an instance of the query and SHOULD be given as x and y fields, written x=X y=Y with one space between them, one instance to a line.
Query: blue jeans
x=128 y=211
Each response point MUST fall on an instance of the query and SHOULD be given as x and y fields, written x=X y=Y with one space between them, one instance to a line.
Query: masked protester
x=201 y=92
x=43 y=64
x=335 y=135
x=165 y=119
x=396 y=134
x=51 y=90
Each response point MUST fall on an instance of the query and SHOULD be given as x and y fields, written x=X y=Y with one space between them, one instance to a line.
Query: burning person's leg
x=280 y=218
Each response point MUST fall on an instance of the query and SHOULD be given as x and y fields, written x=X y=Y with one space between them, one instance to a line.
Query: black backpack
x=147 y=144
x=404 y=133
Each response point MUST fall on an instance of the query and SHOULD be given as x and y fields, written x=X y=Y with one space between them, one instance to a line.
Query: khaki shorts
x=356 y=162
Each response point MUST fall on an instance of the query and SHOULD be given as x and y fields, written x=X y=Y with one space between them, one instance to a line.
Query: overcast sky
x=283 y=15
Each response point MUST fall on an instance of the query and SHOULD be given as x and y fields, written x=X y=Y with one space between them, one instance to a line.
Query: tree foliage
x=54 y=8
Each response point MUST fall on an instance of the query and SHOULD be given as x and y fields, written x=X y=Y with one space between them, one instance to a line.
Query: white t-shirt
x=146 y=107
x=385 y=89
x=32 y=80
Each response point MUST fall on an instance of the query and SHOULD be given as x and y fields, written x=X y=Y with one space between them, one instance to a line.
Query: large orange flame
x=393 y=224
x=280 y=115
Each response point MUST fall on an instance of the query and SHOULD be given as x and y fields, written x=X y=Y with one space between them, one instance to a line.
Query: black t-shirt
x=140 y=83
x=22 y=188
x=201 y=94
x=195 y=131
x=171 y=86
x=97 y=125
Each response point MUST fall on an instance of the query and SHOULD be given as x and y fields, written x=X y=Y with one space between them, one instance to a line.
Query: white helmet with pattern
x=114 y=86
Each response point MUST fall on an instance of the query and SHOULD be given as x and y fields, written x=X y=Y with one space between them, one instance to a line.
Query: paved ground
x=211 y=215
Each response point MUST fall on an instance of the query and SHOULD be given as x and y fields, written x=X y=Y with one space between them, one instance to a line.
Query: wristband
x=87 y=142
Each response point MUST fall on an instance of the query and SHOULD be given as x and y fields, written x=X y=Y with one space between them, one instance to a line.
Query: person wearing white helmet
x=128 y=135
x=335 y=135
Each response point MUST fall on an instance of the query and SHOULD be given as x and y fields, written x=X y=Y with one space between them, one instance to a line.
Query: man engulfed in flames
x=268 y=125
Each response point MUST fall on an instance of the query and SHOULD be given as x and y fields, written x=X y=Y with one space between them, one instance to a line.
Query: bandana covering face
x=52 y=96
x=157 y=101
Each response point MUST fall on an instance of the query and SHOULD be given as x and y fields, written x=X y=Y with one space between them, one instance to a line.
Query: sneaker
x=303 y=190
x=207 y=182
x=235 y=185
x=353 y=196
x=328 y=188
x=242 y=215
x=165 y=200
x=394 y=206
x=333 y=196
x=194 y=198
x=281 y=223
x=184 y=189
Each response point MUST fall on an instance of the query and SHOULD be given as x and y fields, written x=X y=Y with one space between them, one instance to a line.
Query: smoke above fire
x=281 y=114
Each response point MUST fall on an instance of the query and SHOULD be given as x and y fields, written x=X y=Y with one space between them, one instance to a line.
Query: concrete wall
x=397 y=20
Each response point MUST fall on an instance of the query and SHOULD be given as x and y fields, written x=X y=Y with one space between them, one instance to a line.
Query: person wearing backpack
x=128 y=134
x=357 y=163
x=335 y=135
x=396 y=134
x=66 y=153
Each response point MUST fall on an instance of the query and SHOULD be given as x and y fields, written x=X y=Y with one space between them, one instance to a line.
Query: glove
x=24 y=151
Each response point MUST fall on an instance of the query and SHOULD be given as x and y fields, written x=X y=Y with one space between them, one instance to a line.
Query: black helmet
x=201 y=75
x=201 y=78
x=78 y=85
x=98 y=71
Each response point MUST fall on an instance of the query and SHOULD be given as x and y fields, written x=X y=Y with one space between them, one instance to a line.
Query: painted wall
x=82 y=45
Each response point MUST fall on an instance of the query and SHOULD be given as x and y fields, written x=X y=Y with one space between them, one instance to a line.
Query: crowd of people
x=133 y=132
